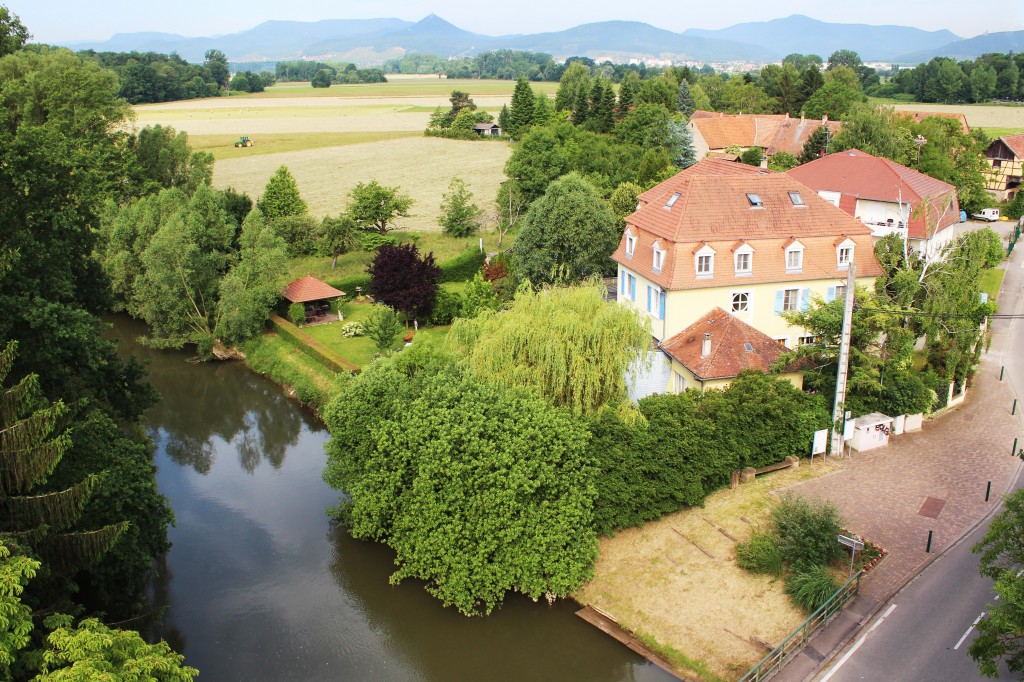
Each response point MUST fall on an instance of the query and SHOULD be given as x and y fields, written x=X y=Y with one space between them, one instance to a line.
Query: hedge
x=310 y=346
x=349 y=284
x=462 y=267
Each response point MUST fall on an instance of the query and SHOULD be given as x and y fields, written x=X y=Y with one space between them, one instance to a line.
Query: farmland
x=333 y=138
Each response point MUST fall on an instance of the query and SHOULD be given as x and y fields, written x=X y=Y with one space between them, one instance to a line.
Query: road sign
x=851 y=542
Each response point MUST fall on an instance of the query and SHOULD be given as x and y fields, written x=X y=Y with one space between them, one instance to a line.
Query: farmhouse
x=726 y=235
x=714 y=132
x=887 y=197
x=1005 y=158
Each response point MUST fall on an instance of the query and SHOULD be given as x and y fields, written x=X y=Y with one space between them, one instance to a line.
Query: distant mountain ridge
x=1003 y=41
x=373 y=40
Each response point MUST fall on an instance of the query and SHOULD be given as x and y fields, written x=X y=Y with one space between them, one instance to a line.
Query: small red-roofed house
x=314 y=295
x=1005 y=158
x=712 y=351
x=887 y=197
x=751 y=242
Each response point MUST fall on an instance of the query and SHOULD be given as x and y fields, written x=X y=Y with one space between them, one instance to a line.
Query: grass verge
x=301 y=376
x=991 y=280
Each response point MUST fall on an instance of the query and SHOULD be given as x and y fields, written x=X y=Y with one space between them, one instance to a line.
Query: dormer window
x=705 y=262
x=794 y=258
x=796 y=199
x=630 y=244
x=755 y=200
x=743 y=258
x=672 y=200
x=659 y=258
x=844 y=254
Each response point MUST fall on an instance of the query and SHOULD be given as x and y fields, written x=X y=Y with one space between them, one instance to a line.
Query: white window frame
x=705 y=252
x=747 y=251
x=796 y=249
x=658 y=260
x=630 y=243
x=805 y=339
x=847 y=246
x=747 y=302
x=678 y=382
x=840 y=292
x=786 y=307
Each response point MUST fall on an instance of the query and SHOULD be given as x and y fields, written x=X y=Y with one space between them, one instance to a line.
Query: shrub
x=462 y=267
x=352 y=329
x=810 y=588
x=383 y=327
x=297 y=313
x=447 y=306
x=371 y=241
x=807 y=531
x=760 y=554
x=349 y=284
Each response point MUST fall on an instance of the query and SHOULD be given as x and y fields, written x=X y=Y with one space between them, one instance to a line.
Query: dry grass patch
x=223 y=146
x=421 y=166
x=978 y=115
x=656 y=580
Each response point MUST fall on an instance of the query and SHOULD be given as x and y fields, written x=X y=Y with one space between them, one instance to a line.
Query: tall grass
x=307 y=380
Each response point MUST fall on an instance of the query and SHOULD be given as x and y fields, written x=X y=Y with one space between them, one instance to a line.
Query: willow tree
x=32 y=443
x=567 y=343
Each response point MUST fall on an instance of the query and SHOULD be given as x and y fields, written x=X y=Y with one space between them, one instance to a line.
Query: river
x=260 y=586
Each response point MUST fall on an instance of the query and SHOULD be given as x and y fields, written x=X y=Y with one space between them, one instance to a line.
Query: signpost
x=820 y=442
x=854 y=544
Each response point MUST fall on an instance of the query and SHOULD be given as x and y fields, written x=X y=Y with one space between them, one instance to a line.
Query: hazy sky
x=69 y=20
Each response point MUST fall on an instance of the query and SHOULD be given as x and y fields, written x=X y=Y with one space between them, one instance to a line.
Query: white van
x=989 y=214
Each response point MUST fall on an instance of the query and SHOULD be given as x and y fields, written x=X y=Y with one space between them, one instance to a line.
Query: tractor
x=243 y=141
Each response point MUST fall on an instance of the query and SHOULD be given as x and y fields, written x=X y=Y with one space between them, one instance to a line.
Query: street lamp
x=920 y=141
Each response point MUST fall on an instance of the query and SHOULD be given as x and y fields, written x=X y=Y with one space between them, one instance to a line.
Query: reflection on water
x=261 y=587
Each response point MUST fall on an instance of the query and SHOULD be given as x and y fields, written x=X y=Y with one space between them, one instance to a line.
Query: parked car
x=989 y=214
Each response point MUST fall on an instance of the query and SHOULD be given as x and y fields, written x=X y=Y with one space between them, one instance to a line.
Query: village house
x=751 y=242
x=887 y=197
x=1005 y=158
x=714 y=132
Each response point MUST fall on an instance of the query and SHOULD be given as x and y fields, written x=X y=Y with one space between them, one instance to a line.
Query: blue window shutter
x=632 y=288
x=778 y=300
x=661 y=306
x=831 y=295
x=648 y=298
x=805 y=300
x=622 y=282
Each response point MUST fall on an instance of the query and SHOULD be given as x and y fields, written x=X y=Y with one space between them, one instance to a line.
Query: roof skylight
x=672 y=200
x=755 y=200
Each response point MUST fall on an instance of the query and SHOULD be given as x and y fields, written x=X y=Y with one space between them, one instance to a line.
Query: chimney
x=705 y=349
x=824 y=119
x=764 y=161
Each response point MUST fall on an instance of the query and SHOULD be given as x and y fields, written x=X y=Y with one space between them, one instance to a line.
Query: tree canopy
x=376 y=207
x=400 y=278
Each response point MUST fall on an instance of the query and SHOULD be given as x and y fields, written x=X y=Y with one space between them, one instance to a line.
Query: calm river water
x=261 y=587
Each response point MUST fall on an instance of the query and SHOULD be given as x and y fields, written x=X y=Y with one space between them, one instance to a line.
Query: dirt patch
x=659 y=579
x=421 y=166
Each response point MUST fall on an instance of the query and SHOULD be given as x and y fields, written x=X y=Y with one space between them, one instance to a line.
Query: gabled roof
x=310 y=289
x=485 y=126
x=861 y=175
x=743 y=130
x=730 y=340
x=713 y=204
x=793 y=134
x=918 y=116
x=1015 y=143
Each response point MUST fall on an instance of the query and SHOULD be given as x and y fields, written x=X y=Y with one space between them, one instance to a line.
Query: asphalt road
x=922 y=634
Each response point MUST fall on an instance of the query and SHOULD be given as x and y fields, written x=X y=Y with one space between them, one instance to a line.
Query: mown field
x=995 y=119
x=333 y=138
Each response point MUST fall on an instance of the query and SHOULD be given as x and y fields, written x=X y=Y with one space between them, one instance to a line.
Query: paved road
x=923 y=633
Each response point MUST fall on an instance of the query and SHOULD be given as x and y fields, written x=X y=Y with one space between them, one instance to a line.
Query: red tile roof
x=773 y=132
x=919 y=116
x=729 y=355
x=1015 y=143
x=863 y=176
x=310 y=289
x=793 y=134
x=713 y=209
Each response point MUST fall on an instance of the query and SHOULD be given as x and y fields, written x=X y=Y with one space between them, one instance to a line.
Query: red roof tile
x=793 y=134
x=863 y=176
x=728 y=355
x=1015 y=143
x=918 y=116
x=310 y=289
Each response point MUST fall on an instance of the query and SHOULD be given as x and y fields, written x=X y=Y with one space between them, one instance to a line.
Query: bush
x=462 y=267
x=297 y=313
x=371 y=241
x=352 y=329
x=383 y=327
x=810 y=588
x=447 y=306
x=760 y=554
x=807 y=531
x=349 y=284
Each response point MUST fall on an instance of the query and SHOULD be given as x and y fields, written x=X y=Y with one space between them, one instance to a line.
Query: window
x=741 y=302
x=742 y=263
x=796 y=199
x=672 y=200
x=805 y=340
x=659 y=259
x=844 y=255
x=705 y=265
x=996 y=163
x=678 y=382
x=630 y=245
x=791 y=300
x=755 y=200
x=656 y=302
x=794 y=259
x=841 y=292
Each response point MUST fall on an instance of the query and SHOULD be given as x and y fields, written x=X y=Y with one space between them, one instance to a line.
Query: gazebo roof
x=310 y=289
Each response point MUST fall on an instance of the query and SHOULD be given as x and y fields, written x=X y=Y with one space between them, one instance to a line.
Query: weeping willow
x=32 y=443
x=568 y=343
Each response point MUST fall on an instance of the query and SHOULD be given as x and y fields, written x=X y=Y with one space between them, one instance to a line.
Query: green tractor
x=243 y=141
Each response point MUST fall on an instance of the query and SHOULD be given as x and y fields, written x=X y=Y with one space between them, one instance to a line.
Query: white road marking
x=976 y=621
x=856 y=646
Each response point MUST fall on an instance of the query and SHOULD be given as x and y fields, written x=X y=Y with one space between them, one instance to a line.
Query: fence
x=797 y=640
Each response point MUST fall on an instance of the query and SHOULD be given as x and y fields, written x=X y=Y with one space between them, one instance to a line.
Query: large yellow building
x=749 y=241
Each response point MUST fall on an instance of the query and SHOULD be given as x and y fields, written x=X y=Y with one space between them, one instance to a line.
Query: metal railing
x=798 y=639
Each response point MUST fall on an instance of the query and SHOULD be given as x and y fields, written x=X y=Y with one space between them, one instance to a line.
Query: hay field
x=421 y=166
x=333 y=138
x=659 y=584
x=978 y=115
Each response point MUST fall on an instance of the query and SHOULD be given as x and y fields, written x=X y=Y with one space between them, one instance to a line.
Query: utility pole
x=839 y=409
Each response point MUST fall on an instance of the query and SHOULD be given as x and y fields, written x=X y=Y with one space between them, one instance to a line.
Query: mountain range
x=368 y=41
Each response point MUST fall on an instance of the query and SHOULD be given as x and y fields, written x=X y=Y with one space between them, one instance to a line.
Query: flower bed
x=870 y=555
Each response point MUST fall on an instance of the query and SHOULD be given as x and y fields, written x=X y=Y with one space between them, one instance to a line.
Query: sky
x=57 y=21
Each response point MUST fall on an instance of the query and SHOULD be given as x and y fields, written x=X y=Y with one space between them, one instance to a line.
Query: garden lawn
x=991 y=281
x=700 y=612
x=302 y=376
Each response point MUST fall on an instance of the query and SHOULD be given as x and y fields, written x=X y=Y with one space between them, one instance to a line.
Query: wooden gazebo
x=314 y=295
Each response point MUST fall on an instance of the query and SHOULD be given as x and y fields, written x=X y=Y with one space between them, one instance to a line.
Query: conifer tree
x=684 y=99
x=542 y=109
x=627 y=92
x=281 y=196
x=581 y=106
x=815 y=146
x=521 y=114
